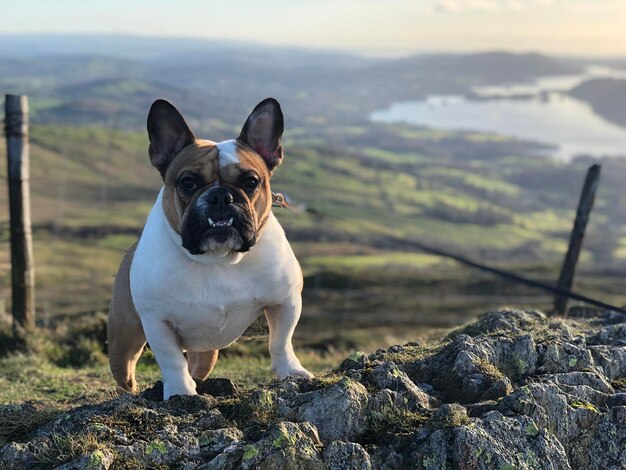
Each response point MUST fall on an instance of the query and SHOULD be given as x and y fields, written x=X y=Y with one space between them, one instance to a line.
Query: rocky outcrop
x=513 y=390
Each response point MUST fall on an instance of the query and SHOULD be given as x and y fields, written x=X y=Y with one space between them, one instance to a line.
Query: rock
x=472 y=369
x=385 y=458
x=338 y=412
x=513 y=390
x=14 y=456
x=101 y=459
x=187 y=404
x=564 y=357
x=388 y=376
x=492 y=442
x=509 y=320
x=449 y=416
x=217 y=387
x=215 y=441
x=610 y=360
x=346 y=456
x=500 y=442
x=591 y=379
x=355 y=361
x=605 y=446
x=212 y=419
x=285 y=445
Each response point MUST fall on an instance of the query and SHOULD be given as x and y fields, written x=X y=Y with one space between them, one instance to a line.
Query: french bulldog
x=212 y=256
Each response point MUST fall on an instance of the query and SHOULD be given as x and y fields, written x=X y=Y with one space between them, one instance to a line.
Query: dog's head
x=216 y=196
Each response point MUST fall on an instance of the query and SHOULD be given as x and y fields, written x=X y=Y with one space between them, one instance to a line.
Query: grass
x=100 y=179
x=371 y=261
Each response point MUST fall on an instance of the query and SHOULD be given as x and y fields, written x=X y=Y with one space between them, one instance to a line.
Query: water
x=538 y=111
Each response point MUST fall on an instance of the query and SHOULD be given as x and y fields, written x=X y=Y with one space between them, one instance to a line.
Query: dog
x=212 y=256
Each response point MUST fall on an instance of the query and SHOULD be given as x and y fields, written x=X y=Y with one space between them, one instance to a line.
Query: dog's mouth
x=220 y=223
x=219 y=231
x=218 y=228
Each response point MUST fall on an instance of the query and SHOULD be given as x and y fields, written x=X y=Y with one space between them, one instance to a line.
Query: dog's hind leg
x=200 y=364
x=126 y=338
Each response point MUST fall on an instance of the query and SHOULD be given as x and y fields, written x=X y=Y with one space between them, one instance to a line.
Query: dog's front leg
x=165 y=344
x=282 y=320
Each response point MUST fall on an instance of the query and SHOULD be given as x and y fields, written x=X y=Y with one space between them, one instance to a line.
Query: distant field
x=92 y=188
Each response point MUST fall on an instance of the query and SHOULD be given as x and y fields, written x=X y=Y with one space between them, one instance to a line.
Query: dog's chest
x=208 y=305
x=215 y=312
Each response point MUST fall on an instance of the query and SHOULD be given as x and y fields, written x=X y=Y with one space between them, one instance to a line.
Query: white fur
x=205 y=302
x=227 y=153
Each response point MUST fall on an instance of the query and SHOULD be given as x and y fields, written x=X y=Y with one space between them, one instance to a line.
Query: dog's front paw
x=183 y=388
x=287 y=367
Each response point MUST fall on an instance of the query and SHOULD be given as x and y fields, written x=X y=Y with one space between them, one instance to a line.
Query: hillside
x=364 y=185
x=93 y=187
x=112 y=80
x=607 y=97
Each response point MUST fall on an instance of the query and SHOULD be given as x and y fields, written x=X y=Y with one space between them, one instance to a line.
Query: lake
x=539 y=111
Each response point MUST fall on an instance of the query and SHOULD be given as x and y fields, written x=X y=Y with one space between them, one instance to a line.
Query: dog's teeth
x=211 y=223
x=230 y=222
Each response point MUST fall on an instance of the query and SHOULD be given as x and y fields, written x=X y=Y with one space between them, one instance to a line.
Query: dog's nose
x=219 y=198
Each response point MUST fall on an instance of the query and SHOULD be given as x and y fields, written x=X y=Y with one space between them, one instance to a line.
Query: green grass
x=101 y=179
x=372 y=261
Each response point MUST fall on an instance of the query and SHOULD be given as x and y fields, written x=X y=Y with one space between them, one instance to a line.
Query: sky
x=370 y=27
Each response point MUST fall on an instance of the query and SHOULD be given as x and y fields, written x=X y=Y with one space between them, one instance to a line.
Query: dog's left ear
x=263 y=131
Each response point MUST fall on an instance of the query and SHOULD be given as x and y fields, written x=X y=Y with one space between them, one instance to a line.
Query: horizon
x=389 y=54
x=399 y=28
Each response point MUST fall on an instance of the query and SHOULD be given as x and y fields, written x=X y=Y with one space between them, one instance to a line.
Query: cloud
x=452 y=6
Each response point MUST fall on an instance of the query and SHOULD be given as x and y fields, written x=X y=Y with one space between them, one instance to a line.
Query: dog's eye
x=188 y=184
x=251 y=183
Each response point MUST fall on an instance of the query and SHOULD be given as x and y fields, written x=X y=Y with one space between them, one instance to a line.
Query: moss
x=585 y=405
x=356 y=356
x=250 y=452
x=282 y=440
x=259 y=407
x=520 y=366
x=572 y=362
x=157 y=445
x=429 y=461
x=205 y=440
x=531 y=429
x=325 y=380
x=95 y=459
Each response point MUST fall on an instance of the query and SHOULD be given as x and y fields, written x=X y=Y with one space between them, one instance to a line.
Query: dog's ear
x=168 y=132
x=263 y=131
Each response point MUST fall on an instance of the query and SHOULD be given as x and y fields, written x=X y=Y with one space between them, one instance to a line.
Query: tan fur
x=124 y=331
x=200 y=364
x=193 y=158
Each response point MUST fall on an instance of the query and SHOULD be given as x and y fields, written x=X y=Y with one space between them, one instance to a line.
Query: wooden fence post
x=566 y=279
x=22 y=266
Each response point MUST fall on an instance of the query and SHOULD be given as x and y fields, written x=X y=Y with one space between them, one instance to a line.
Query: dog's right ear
x=168 y=132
